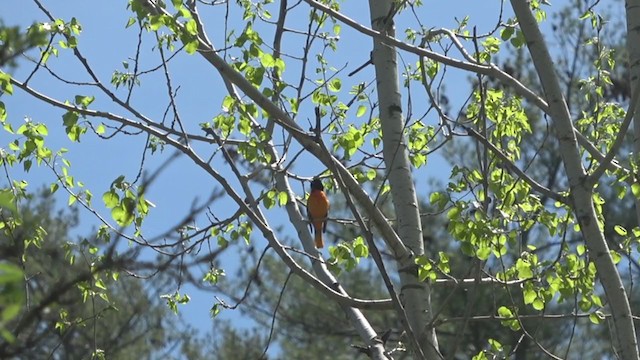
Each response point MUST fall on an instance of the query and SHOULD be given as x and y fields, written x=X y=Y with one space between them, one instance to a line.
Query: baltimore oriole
x=318 y=210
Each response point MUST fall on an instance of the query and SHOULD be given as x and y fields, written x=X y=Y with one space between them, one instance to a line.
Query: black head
x=316 y=184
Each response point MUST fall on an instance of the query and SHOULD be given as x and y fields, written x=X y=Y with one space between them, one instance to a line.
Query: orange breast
x=318 y=204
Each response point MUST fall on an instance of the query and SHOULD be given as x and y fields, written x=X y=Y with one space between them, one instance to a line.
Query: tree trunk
x=633 y=39
x=580 y=191
x=416 y=295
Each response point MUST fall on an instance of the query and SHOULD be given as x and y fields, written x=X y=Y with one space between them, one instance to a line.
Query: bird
x=318 y=210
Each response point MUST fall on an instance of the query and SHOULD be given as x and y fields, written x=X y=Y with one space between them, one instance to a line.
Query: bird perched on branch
x=318 y=210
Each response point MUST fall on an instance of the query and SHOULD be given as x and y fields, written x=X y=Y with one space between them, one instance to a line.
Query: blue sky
x=106 y=44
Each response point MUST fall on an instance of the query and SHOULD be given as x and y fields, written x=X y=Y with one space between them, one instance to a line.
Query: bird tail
x=318 y=236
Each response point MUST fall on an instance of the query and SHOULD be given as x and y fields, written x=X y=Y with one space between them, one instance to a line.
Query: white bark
x=580 y=190
x=416 y=295
x=633 y=40
x=358 y=320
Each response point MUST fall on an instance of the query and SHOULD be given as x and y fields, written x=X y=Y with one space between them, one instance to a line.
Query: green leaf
x=586 y=15
x=596 y=317
x=361 y=111
x=483 y=253
x=11 y=279
x=3 y=112
x=595 y=299
x=518 y=41
x=467 y=249
x=422 y=260
x=492 y=44
x=335 y=85
x=283 y=198
x=425 y=271
x=9 y=273
x=72 y=42
x=434 y=198
x=506 y=33
x=84 y=101
x=443 y=264
x=480 y=356
x=616 y=256
x=255 y=75
x=505 y=312
x=524 y=269
x=10 y=312
x=22 y=129
x=100 y=284
x=376 y=142
x=453 y=213
x=280 y=65
x=635 y=189
x=360 y=249
x=620 y=230
x=156 y=22
x=122 y=215
x=213 y=276
x=495 y=345
x=5 y=83
x=70 y=121
x=371 y=174
x=269 y=200
x=538 y=304
x=42 y=129
x=222 y=242
x=110 y=199
x=529 y=296
x=74 y=132
x=267 y=60
x=215 y=310
x=7 y=201
x=192 y=27
x=191 y=47
x=418 y=160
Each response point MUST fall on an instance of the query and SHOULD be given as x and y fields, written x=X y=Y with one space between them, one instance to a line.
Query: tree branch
x=581 y=191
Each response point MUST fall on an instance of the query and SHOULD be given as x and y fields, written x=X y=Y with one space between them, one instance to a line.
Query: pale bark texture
x=358 y=320
x=633 y=47
x=415 y=295
x=580 y=189
x=375 y=347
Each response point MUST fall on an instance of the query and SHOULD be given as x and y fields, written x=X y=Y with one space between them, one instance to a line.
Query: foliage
x=68 y=312
x=525 y=228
